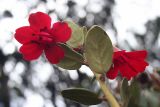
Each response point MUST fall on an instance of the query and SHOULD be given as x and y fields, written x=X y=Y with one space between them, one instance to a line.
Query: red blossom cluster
x=129 y=64
x=40 y=36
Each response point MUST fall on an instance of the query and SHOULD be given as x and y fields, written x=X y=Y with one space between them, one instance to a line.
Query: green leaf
x=124 y=89
x=72 y=60
x=84 y=32
x=124 y=92
x=98 y=50
x=77 y=37
x=84 y=28
x=82 y=96
x=130 y=94
x=134 y=91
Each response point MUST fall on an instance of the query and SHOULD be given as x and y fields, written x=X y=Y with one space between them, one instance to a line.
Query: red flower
x=129 y=64
x=40 y=36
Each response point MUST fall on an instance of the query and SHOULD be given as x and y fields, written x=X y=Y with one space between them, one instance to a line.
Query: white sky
x=132 y=15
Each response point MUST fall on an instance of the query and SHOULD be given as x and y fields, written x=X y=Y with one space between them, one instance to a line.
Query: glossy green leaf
x=77 y=37
x=98 y=50
x=82 y=96
x=72 y=59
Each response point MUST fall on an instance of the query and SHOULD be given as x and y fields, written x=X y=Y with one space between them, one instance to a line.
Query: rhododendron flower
x=129 y=64
x=40 y=36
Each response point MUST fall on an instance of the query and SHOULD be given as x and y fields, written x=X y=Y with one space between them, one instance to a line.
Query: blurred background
x=131 y=25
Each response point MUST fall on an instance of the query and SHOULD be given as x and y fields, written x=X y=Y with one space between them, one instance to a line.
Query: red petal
x=54 y=54
x=127 y=71
x=134 y=62
x=39 y=21
x=138 y=65
x=61 y=31
x=117 y=54
x=24 y=34
x=112 y=73
x=137 y=54
x=31 y=51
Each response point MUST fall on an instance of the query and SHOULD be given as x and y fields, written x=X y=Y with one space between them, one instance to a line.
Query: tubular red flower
x=129 y=64
x=39 y=36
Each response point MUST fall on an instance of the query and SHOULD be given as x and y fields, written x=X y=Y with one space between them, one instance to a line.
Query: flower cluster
x=129 y=64
x=40 y=36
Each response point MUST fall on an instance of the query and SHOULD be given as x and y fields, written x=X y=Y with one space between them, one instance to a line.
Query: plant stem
x=109 y=97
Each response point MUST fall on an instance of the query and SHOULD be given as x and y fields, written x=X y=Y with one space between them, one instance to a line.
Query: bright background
x=131 y=25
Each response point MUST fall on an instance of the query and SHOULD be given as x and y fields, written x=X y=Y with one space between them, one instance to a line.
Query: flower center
x=43 y=37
